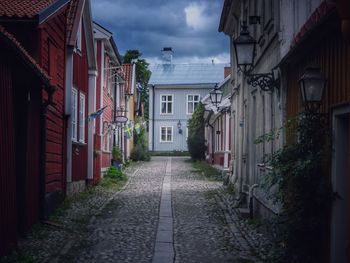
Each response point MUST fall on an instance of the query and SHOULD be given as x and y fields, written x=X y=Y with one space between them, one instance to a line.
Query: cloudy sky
x=190 y=27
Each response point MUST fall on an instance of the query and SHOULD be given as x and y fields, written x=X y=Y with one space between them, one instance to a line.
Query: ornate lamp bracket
x=266 y=82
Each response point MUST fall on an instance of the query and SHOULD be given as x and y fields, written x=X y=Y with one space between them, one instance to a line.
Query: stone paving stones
x=127 y=227
x=167 y=213
x=200 y=230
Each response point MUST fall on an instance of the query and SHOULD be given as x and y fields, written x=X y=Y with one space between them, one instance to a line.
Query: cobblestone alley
x=166 y=213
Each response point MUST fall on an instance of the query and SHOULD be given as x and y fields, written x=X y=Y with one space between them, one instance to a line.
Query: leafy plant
x=117 y=154
x=115 y=173
x=196 y=140
x=299 y=171
x=140 y=151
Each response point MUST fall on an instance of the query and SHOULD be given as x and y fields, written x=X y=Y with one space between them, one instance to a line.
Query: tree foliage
x=142 y=75
x=196 y=140
x=140 y=151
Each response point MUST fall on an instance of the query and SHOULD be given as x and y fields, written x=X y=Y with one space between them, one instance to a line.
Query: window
x=74 y=113
x=192 y=102
x=82 y=118
x=166 y=104
x=166 y=134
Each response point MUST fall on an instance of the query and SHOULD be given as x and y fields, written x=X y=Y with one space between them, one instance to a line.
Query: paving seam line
x=70 y=243
x=164 y=244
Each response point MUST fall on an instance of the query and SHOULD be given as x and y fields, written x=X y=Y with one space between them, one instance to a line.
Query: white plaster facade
x=255 y=112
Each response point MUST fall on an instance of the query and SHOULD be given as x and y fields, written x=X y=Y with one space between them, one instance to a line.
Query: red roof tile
x=23 y=8
x=127 y=75
x=6 y=36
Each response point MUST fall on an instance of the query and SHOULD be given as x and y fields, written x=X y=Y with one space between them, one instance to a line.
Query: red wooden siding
x=8 y=218
x=52 y=59
x=80 y=82
x=97 y=137
x=333 y=56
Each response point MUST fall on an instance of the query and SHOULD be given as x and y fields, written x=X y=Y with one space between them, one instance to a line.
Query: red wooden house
x=107 y=96
x=81 y=72
x=32 y=152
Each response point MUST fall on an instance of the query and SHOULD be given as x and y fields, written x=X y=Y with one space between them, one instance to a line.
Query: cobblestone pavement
x=201 y=232
x=125 y=231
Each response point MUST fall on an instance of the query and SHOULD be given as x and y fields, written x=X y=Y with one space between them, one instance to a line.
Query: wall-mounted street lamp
x=312 y=85
x=179 y=127
x=216 y=95
x=245 y=46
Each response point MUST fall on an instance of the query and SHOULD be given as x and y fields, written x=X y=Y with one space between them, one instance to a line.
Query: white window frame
x=82 y=104
x=166 y=101
x=74 y=114
x=166 y=134
x=193 y=102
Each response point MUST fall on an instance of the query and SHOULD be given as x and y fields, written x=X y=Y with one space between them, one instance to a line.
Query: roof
x=128 y=77
x=185 y=74
x=75 y=10
x=23 y=8
x=23 y=54
x=30 y=9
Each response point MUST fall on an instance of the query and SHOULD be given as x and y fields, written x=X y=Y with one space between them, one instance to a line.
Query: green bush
x=196 y=140
x=115 y=173
x=139 y=153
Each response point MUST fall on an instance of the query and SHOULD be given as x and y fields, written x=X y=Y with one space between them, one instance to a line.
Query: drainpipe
x=212 y=142
x=250 y=199
x=91 y=108
x=43 y=124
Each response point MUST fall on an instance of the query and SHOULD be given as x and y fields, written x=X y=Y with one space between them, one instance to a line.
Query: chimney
x=227 y=71
x=167 y=53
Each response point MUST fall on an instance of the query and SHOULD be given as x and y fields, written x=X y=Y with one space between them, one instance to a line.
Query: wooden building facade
x=324 y=41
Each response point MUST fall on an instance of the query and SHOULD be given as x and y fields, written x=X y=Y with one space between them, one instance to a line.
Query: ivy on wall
x=300 y=170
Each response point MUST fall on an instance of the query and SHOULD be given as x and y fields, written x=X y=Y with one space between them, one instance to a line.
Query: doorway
x=340 y=186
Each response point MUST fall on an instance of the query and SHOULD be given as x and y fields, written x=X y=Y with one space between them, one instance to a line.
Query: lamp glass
x=245 y=53
x=312 y=85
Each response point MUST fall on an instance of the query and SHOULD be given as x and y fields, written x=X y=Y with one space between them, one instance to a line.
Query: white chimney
x=167 y=53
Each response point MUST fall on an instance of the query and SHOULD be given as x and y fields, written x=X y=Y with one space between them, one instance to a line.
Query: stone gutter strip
x=238 y=228
x=164 y=246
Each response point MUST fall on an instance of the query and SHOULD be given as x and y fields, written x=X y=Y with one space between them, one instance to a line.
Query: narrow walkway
x=168 y=213
x=164 y=247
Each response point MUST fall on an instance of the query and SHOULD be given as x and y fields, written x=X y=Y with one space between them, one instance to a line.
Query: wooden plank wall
x=8 y=213
x=80 y=82
x=53 y=36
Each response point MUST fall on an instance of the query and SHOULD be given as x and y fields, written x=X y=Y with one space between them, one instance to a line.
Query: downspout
x=91 y=108
x=43 y=132
x=212 y=142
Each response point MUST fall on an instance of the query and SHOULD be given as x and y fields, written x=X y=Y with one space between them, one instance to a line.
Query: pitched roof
x=23 y=54
x=75 y=10
x=23 y=8
x=127 y=76
x=182 y=74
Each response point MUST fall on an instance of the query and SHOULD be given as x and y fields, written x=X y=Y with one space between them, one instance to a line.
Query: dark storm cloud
x=190 y=27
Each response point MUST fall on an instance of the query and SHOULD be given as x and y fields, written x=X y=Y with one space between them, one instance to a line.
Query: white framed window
x=74 y=114
x=82 y=118
x=166 y=104
x=192 y=102
x=166 y=134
